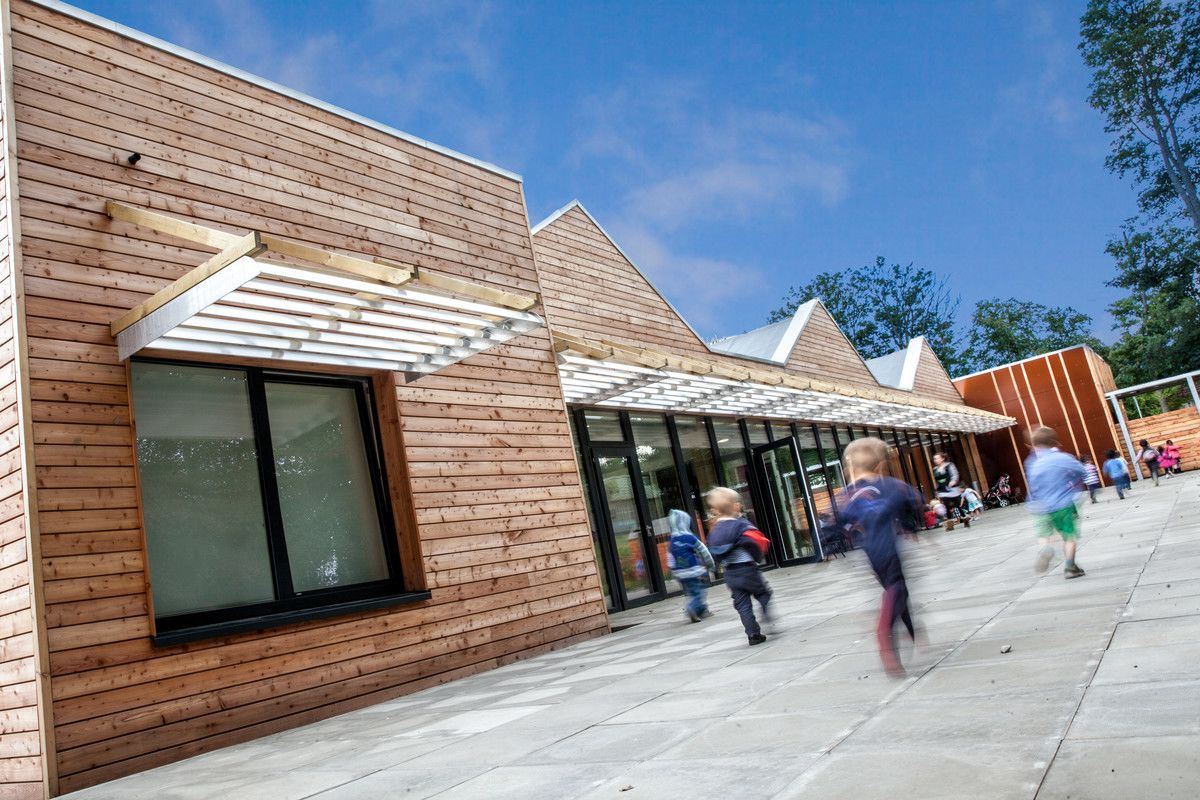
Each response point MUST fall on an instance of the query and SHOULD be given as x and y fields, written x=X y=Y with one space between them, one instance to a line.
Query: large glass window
x=757 y=432
x=734 y=461
x=660 y=479
x=262 y=493
x=698 y=461
x=833 y=458
x=603 y=426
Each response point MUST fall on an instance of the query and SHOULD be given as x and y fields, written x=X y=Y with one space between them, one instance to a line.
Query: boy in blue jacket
x=1054 y=479
x=879 y=507
x=732 y=542
x=690 y=563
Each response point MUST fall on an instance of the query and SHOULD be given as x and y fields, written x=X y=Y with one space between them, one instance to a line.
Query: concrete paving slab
x=1162 y=708
x=1159 y=767
x=1147 y=633
x=980 y=771
x=631 y=742
x=664 y=707
x=1143 y=664
x=410 y=784
x=662 y=778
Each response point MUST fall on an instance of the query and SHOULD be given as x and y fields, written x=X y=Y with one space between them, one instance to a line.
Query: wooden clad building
x=292 y=404
x=1064 y=390
x=403 y=340
x=660 y=415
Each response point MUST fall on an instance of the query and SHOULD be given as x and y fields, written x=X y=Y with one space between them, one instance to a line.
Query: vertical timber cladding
x=22 y=761
x=506 y=550
x=1064 y=389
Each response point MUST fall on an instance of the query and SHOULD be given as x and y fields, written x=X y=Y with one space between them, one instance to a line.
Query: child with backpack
x=738 y=547
x=1117 y=472
x=690 y=563
x=1149 y=456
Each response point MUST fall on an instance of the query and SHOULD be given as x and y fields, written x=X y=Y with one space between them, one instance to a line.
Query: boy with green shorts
x=1054 y=478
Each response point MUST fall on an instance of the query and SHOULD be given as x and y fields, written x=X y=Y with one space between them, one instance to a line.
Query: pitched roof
x=772 y=342
x=897 y=369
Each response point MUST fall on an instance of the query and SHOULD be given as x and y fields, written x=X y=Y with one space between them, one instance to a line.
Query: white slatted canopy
x=336 y=310
x=606 y=374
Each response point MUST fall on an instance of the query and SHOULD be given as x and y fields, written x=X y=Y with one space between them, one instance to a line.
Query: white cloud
x=688 y=164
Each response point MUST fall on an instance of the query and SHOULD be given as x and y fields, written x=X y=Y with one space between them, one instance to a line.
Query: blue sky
x=734 y=149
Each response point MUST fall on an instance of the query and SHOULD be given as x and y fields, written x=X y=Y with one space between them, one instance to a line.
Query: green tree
x=1159 y=320
x=1003 y=331
x=1145 y=61
x=881 y=307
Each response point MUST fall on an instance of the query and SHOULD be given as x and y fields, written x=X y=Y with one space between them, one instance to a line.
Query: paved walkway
x=1098 y=698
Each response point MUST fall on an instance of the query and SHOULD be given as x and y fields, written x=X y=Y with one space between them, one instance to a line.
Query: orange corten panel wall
x=21 y=744
x=931 y=379
x=1060 y=389
x=506 y=550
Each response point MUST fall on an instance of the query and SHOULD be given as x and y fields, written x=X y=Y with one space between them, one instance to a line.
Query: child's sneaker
x=1043 y=560
x=1073 y=571
x=757 y=638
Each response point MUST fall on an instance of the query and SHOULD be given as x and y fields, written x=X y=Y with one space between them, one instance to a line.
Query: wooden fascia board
x=249 y=245
x=172 y=226
x=487 y=294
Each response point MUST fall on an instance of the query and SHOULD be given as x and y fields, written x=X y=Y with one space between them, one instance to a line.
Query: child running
x=690 y=563
x=1118 y=473
x=732 y=541
x=1091 y=476
x=1054 y=478
x=879 y=506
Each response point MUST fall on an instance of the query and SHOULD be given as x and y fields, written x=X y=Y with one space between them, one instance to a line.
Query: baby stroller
x=1000 y=495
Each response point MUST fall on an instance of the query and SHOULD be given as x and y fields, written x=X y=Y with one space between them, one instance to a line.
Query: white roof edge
x=191 y=55
x=576 y=204
x=912 y=357
x=796 y=327
x=1022 y=361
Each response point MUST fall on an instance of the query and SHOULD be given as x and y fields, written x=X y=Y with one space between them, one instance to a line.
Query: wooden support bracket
x=241 y=246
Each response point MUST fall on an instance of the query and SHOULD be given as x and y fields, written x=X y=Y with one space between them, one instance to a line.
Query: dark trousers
x=894 y=607
x=746 y=582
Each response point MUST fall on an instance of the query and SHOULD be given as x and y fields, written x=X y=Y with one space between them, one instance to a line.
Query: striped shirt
x=1091 y=476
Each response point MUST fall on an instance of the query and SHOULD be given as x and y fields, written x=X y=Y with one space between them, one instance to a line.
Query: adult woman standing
x=949 y=488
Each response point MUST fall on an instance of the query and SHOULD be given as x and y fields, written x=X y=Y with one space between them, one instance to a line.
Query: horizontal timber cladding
x=590 y=289
x=931 y=379
x=21 y=742
x=487 y=463
x=1181 y=426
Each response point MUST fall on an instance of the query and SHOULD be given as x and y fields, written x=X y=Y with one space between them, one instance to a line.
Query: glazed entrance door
x=629 y=544
x=787 y=502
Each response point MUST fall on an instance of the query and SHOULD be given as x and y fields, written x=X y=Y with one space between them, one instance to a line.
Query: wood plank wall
x=20 y=739
x=1058 y=389
x=507 y=552
x=576 y=260
x=1182 y=426
x=824 y=351
x=932 y=379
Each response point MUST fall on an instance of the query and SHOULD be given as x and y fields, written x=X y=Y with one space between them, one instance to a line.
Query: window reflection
x=660 y=480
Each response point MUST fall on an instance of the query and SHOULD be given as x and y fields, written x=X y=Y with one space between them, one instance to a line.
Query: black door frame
x=768 y=504
x=658 y=587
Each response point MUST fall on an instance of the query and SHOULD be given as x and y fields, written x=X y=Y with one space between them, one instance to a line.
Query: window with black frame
x=263 y=497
